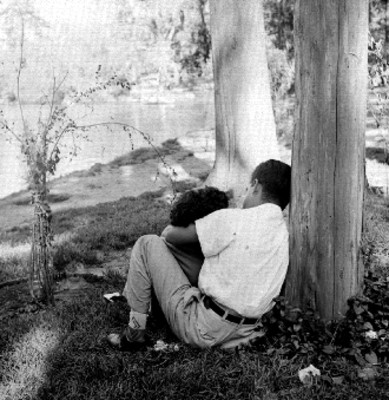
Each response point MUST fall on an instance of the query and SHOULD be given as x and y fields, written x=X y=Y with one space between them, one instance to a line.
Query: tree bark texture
x=245 y=127
x=41 y=272
x=328 y=154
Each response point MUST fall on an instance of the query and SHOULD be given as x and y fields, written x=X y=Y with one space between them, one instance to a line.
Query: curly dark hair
x=275 y=177
x=197 y=203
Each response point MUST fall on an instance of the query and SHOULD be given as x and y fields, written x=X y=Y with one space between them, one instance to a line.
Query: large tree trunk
x=328 y=154
x=245 y=128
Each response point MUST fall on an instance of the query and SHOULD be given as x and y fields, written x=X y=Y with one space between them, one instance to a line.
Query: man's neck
x=262 y=202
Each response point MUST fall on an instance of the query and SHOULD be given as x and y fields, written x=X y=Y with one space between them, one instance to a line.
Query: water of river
x=160 y=121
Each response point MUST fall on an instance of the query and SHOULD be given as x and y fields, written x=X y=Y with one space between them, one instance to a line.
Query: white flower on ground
x=160 y=345
x=370 y=334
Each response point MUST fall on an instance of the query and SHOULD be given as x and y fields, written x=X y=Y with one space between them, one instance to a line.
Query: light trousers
x=153 y=267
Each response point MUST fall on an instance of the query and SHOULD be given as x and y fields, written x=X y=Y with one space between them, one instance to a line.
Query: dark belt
x=209 y=303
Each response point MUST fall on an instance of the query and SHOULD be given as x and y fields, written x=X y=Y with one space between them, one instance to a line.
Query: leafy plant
x=41 y=147
x=379 y=85
x=362 y=335
x=279 y=16
x=192 y=54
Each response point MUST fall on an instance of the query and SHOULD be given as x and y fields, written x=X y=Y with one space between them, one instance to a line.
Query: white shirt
x=246 y=257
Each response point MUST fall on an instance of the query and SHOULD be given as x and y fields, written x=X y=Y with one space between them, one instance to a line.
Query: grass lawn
x=61 y=352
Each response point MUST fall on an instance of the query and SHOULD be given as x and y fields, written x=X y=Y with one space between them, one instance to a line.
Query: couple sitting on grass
x=215 y=276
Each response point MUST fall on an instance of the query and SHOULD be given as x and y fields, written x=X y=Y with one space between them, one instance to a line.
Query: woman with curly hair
x=193 y=205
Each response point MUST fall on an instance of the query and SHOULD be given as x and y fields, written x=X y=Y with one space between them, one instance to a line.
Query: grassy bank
x=84 y=235
x=61 y=352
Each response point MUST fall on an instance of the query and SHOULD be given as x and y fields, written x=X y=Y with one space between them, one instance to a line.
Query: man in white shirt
x=246 y=259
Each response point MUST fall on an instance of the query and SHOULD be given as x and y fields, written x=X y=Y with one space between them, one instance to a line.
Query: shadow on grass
x=63 y=354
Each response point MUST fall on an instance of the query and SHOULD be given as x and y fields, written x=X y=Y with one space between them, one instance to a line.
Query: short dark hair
x=197 y=203
x=275 y=178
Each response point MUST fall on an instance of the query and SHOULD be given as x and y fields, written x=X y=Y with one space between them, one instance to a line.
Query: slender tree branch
x=50 y=117
x=123 y=124
x=54 y=91
x=106 y=124
x=58 y=139
x=63 y=80
x=11 y=131
x=21 y=61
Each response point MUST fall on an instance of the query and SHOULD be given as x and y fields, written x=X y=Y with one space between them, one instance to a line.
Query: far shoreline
x=122 y=177
x=192 y=156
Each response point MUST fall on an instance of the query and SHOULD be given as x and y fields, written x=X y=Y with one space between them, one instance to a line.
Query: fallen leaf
x=367 y=373
x=338 y=380
x=368 y=326
x=328 y=349
x=283 y=351
x=270 y=351
x=371 y=358
x=358 y=309
x=351 y=352
x=293 y=315
x=359 y=359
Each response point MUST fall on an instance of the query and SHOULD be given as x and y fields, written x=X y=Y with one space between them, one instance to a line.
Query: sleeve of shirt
x=215 y=232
